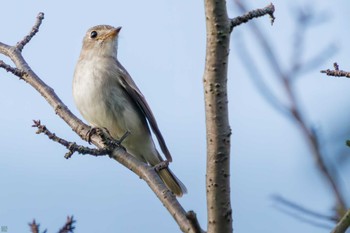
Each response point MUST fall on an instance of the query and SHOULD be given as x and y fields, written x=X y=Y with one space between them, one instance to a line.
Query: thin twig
x=268 y=10
x=302 y=209
x=19 y=73
x=301 y=218
x=336 y=72
x=71 y=146
x=68 y=226
x=34 y=227
x=258 y=80
x=318 y=59
x=296 y=112
x=20 y=45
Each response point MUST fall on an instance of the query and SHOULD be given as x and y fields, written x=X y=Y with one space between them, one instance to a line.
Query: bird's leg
x=127 y=133
x=162 y=165
x=118 y=143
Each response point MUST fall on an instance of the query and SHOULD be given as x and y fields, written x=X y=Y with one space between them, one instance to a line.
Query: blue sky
x=162 y=45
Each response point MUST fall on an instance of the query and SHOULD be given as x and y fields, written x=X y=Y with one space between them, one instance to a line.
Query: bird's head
x=101 y=40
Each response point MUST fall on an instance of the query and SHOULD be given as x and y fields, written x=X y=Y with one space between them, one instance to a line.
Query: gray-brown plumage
x=106 y=96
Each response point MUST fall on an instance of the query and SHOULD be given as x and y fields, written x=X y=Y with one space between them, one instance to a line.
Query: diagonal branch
x=296 y=113
x=343 y=224
x=20 y=45
x=68 y=227
x=144 y=171
x=258 y=81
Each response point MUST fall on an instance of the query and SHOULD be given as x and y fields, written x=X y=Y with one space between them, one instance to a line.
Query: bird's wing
x=140 y=100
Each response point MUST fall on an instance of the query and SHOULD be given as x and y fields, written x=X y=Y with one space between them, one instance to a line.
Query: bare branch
x=34 y=227
x=144 y=171
x=20 y=45
x=11 y=69
x=257 y=78
x=68 y=226
x=301 y=218
x=343 y=224
x=303 y=210
x=336 y=72
x=296 y=112
x=317 y=59
x=268 y=10
x=71 y=146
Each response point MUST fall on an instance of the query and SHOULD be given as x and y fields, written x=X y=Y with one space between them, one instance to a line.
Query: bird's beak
x=112 y=33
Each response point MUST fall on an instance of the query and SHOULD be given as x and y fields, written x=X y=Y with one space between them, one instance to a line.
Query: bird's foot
x=95 y=130
x=162 y=165
x=106 y=137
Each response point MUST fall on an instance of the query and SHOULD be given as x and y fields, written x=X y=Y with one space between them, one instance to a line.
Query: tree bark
x=217 y=123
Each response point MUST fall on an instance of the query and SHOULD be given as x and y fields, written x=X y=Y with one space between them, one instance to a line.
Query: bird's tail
x=172 y=182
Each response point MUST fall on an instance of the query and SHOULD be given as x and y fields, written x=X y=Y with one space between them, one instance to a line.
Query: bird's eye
x=93 y=34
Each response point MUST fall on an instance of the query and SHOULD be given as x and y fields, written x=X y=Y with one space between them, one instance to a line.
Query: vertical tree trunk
x=217 y=124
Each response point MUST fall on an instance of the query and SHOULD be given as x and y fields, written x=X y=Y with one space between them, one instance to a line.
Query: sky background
x=162 y=45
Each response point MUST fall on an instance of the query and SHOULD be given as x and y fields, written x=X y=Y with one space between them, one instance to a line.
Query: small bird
x=107 y=97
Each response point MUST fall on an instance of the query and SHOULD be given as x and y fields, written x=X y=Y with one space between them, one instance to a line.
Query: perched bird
x=107 y=97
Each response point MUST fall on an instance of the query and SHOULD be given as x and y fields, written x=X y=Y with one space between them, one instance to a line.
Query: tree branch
x=343 y=224
x=296 y=113
x=71 y=146
x=34 y=227
x=20 y=45
x=218 y=130
x=144 y=171
x=302 y=210
x=68 y=227
x=336 y=72
x=268 y=10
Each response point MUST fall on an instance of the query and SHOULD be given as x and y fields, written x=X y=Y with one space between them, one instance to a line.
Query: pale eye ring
x=93 y=34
